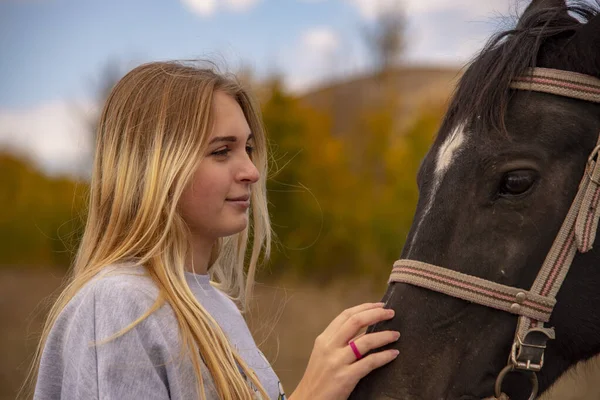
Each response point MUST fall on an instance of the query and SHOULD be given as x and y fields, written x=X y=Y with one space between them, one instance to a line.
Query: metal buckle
x=588 y=167
x=525 y=365
x=510 y=368
x=593 y=154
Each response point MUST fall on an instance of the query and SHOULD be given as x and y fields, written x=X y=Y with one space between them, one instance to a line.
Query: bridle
x=577 y=232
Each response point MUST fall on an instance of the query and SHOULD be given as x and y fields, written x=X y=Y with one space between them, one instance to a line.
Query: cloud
x=54 y=136
x=201 y=7
x=312 y=58
x=369 y=9
x=205 y=8
x=444 y=31
x=437 y=31
x=240 y=5
x=320 y=40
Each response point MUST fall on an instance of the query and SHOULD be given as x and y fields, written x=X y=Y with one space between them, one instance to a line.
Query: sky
x=52 y=52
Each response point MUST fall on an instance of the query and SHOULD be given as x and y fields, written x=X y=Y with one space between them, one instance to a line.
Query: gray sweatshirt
x=144 y=363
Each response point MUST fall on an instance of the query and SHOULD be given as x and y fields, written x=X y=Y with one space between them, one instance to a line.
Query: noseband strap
x=577 y=232
x=473 y=289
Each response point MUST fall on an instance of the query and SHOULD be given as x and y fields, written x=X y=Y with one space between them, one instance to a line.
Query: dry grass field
x=285 y=320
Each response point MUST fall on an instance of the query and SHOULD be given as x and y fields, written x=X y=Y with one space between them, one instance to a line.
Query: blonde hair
x=152 y=133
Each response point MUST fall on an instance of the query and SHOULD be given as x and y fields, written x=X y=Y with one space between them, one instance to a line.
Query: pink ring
x=355 y=350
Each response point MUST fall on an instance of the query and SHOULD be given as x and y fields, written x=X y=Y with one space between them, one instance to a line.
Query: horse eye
x=517 y=182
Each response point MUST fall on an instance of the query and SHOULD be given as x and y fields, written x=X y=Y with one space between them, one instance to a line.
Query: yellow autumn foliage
x=341 y=202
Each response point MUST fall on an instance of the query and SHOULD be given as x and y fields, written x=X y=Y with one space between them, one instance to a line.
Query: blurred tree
x=341 y=205
x=107 y=77
x=286 y=131
x=40 y=217
x=384 y=36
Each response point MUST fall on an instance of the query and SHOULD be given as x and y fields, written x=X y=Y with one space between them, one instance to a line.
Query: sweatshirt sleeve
x=143 y=363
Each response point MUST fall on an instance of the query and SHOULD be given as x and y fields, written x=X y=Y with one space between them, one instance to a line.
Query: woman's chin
x=236 y=226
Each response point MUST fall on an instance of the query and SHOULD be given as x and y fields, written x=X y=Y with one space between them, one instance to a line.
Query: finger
x=366 y=343
x=356 y=322
x=338 y=321
x=373 y=361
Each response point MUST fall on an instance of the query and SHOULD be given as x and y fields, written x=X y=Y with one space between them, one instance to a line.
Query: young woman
x=177 y=193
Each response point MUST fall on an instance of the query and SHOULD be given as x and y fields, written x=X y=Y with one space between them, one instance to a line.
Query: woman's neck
x=200 y=255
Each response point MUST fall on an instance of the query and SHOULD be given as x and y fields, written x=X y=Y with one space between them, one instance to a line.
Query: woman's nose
x=249 y=172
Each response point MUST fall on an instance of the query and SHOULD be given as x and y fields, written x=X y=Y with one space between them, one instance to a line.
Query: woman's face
x=216 y=201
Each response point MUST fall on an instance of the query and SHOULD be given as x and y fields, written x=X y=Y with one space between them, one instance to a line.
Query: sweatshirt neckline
x=202 y=279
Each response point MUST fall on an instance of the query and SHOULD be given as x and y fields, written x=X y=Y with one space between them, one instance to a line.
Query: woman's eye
x=517 y=182
x=222 y=152
x=249 y=150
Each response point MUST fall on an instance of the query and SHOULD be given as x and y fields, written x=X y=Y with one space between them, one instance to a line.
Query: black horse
x=494 y=190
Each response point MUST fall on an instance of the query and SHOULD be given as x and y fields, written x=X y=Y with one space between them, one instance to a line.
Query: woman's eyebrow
x=223 y=139
x=229 y=139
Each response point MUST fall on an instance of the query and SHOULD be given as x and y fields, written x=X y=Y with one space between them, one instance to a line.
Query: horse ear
x=537 y=5
x=588 y=38
x=591 y=31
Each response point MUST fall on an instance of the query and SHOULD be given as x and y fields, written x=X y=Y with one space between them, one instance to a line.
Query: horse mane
x=539 y=39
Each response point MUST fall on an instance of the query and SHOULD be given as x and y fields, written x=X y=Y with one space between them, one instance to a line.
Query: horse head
x=494 y=190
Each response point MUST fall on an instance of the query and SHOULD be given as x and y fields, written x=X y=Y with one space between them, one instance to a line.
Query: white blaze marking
x=446 y=155
x=447 y=150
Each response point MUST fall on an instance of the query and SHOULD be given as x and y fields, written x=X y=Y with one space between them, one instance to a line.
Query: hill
x=412 y=88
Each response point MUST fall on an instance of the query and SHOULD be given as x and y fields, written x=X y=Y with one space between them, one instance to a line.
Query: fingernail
x=390 y=312
x=395 y=353
x=397 y=335
x=380 y=304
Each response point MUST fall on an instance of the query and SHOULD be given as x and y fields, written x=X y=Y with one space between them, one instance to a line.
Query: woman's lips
x=242 y=202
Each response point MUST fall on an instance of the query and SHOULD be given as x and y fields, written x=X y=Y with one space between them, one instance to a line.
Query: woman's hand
x=333 y=369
